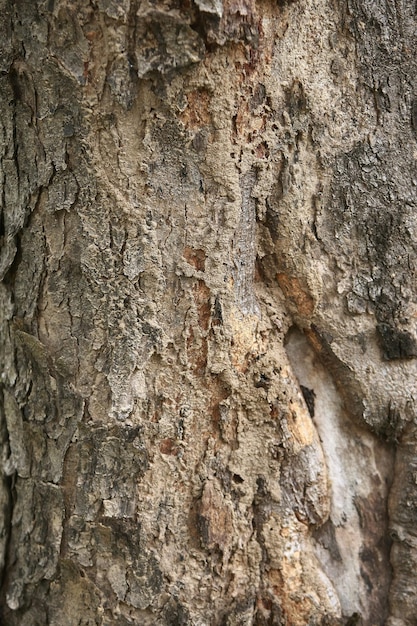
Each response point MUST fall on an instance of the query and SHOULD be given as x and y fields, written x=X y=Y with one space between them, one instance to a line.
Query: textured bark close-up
x=208 y=312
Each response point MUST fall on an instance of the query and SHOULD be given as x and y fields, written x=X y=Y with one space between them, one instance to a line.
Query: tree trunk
x=208 y=312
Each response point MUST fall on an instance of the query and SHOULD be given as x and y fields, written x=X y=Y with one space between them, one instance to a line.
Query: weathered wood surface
x=208 y=312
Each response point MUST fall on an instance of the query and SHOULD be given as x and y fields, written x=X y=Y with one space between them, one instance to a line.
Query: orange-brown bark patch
x=195 y=257
x=293 y=290
x=295 y=606
x=197 y=350
x=197 y=112
x=202 y=300
x=168 y=446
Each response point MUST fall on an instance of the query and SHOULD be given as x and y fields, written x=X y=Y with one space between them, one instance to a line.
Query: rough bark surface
x=208 y=312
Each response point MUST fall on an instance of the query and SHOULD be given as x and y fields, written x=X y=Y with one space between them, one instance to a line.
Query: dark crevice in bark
x=7 y=513
x=10 y=273
x=4 y=580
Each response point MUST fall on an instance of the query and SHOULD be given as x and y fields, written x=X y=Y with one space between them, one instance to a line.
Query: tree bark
x=208 y=312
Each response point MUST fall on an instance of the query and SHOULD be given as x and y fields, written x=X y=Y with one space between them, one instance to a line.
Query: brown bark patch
x=197 y=112
x=262 y=150
x=215 y=520
x=293 y=290
x=296 y=607
x=168 y=446
x=201 y=295
x=197 y=353
x=195 y=257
